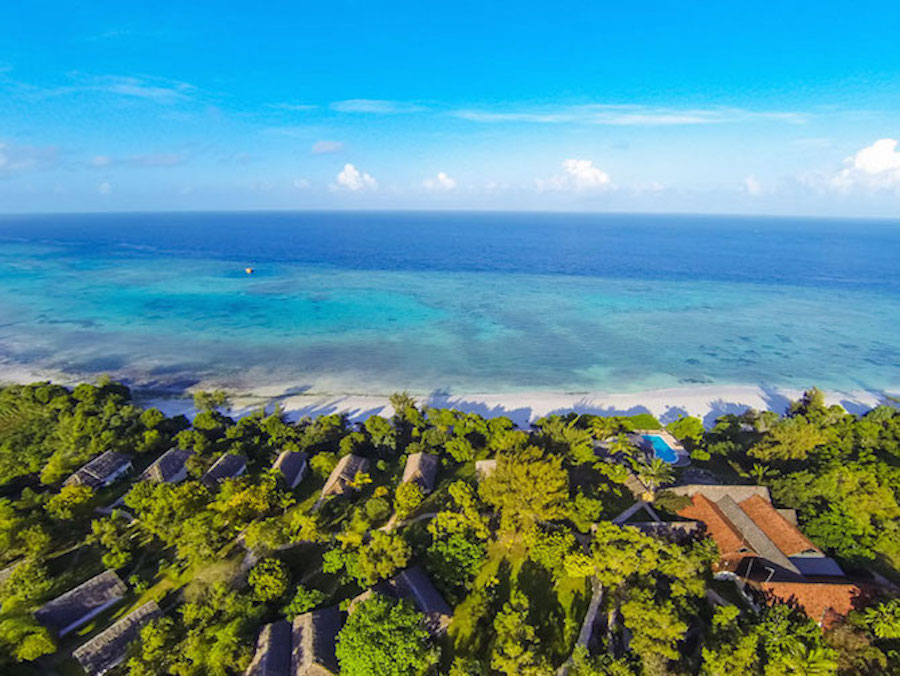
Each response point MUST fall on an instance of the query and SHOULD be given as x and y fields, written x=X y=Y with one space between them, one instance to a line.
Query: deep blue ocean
x=461 y=302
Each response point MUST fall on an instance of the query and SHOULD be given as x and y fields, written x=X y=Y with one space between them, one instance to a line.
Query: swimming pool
x=661 y=449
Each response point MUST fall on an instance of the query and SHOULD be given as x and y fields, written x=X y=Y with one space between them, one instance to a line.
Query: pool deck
x=683 y=457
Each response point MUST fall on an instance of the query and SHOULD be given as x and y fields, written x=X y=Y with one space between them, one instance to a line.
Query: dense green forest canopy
x=520 y=553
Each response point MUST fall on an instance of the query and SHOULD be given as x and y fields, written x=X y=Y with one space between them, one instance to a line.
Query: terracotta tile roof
x=824 y=603
x=721 y=530
x=778 y=529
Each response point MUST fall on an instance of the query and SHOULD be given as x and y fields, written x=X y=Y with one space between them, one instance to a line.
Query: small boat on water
x=249 y=271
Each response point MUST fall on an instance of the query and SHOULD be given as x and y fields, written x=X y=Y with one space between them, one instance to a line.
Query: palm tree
x=802 y=660
x=655 y=473
x=759 y=473
x=884 y=619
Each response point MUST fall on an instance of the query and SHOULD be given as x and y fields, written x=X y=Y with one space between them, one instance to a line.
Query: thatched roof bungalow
x=107 y=649
x=101 y=471
x=77 y=606
x=343 y=474
x=422 y=468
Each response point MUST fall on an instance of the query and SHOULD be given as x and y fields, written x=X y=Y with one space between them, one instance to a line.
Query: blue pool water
x=661 y=449
x=460 y=302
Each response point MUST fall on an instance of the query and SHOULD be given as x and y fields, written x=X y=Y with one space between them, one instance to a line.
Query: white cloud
x=580 y=175
x=875 y=167
x=627 y=115
x=378 y=106
x=439 y=182
x=752 y=186
x=149 y=160
x=325 y=147
x=298 y=107
x=301 y=183
x=353 y=179
x=104 y=188
x=18 y=159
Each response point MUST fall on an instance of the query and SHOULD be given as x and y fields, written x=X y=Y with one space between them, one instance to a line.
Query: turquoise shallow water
x=463 y=302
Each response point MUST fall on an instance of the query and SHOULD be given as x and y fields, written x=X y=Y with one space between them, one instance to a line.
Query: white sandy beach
x=706 y=402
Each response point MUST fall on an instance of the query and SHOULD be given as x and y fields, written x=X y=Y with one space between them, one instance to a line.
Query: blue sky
x=656 y=106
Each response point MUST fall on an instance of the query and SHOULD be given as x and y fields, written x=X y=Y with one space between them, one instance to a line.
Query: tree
x=72 y=502
x=323 y=464
x=269 y=579
x=516 y=644
x=381 y=557
x=655 y=473
x=790 y=439
x=210 y=400
x=655 y=629
x=460 y=449
x=386 y=637
x=526 y=487
x=687 y=429
x=407 y=499
x=28 y=583
x=23 y=638
x=113 y=535
x=884 y=619
x=304 y=600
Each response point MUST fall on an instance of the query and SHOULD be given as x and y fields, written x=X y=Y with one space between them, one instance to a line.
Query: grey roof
x=107 y=649
x=273 y=651
x=168 y=466
x=421 y=468
x=77 y=604
x=97 y=472
x=716 y=492
x=343 y=473
x=314 y=641
x=228 y=466
x=753 y=534
x=414 y=585
x=292 y=465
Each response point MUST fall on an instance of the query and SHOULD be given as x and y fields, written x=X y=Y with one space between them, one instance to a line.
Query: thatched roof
x=101 y=470
x=484 y=468
x=273 y=651
x=228 y=466
x=344 y=472
x=314 y=642
x=168 y=467
x=414 y=585
x=107 y=649
x=72 y=609
x=421 y=468
x=292 y=465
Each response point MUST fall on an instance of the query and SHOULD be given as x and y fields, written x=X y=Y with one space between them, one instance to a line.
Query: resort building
x=484 y=468
x=101 y=471
x=421 y=468
x=293 y=466
x=762 y=547
x=273 y=651
x=343 y=474
x=107 y=649
x=305 y=647
x=314 y=638
x=69 y=611
x=169 y=468
x=229 y=466
x=414 y=585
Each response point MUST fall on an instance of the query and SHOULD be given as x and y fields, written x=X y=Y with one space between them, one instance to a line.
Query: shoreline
x=707 y=402
x=704 y=401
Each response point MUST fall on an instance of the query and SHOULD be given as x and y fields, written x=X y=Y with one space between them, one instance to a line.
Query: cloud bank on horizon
x=708 y=109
